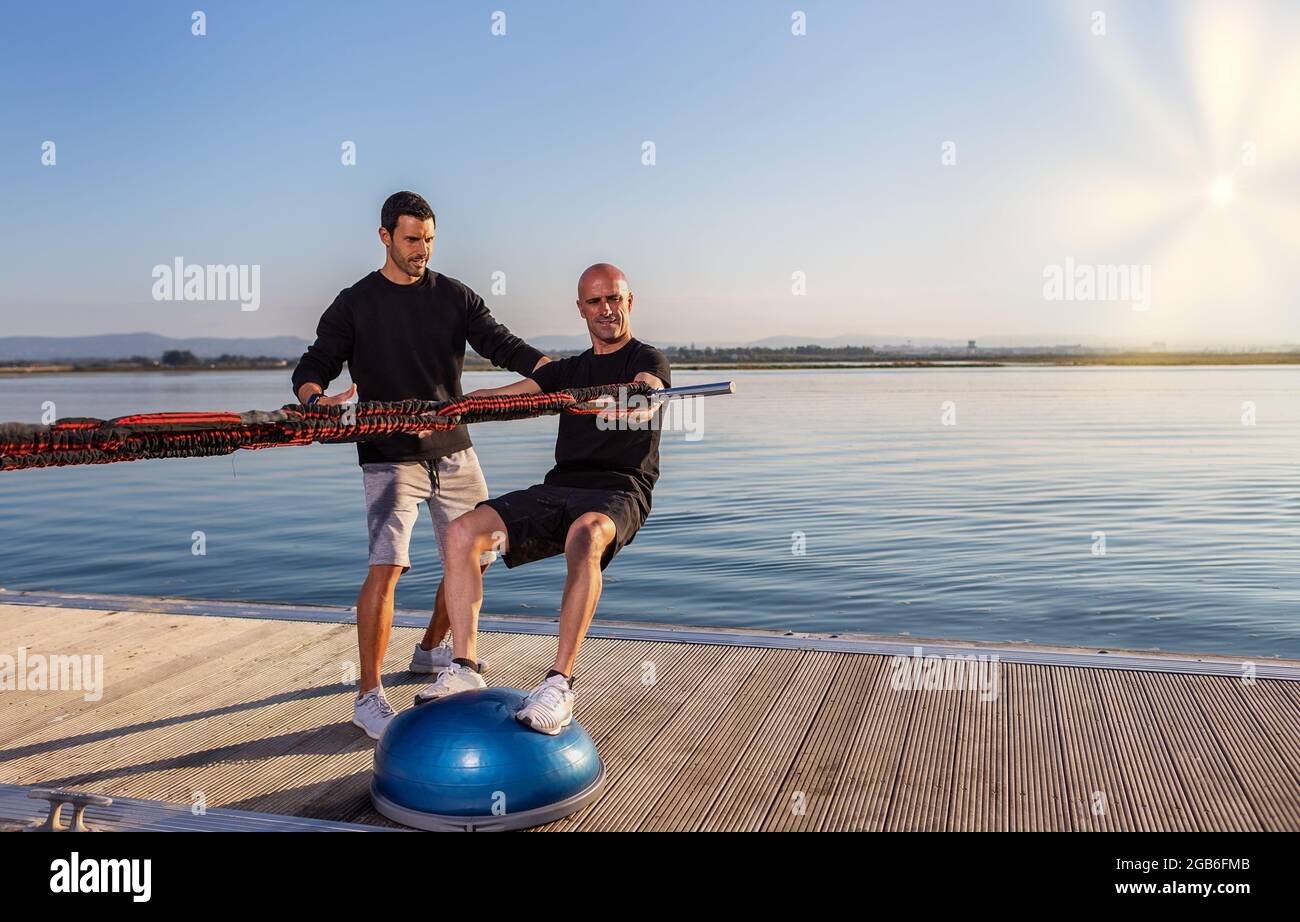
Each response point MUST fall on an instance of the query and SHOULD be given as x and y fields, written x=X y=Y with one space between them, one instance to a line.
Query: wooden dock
x=249 y=708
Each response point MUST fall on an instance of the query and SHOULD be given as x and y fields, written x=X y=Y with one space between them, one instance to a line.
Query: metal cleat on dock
x=79 y=799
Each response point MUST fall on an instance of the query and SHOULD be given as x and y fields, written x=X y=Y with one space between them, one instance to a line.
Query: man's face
x=411 y=244
x=606 y=303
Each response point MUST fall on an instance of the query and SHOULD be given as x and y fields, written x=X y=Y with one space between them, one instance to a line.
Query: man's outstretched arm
x=323 y=360
x=529 y=386
x=526 y=386
x=490 y=339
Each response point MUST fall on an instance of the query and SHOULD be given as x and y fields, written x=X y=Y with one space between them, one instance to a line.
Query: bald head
x=605 y=302
x=607 y=273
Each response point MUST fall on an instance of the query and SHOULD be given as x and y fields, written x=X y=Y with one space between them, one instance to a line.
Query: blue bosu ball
x=464 y=763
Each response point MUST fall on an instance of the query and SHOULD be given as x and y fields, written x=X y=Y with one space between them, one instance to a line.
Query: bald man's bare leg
x=468 y=538
x=439 y=623
x=584 y=547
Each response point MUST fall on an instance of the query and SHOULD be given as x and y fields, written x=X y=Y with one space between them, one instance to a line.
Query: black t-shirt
x=407 y=342
x=610 y=458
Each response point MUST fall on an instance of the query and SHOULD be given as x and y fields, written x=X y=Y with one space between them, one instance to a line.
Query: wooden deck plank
x=30 y=625
x=1215 y=794
x=1040 y=772
x=746 y=796
x=877 y=786
x=170 y=655
x=686 y=800
x=923 y=779
x=1275 y=707
x=255 y=715
x=1151 y=784
x=611 y=692
x=623 y=738
x=153 y=697
x=980 y=776
x=631 y=796
x=1260 y=770
x=806 y=795
x=229 y=716
x=1089 y=752
x=117 y=638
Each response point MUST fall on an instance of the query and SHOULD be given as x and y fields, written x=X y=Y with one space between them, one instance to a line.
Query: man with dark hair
x=405 y=203
x=402 y=331
x=591 y=504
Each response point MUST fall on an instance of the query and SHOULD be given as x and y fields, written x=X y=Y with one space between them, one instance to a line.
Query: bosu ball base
x=463 y=763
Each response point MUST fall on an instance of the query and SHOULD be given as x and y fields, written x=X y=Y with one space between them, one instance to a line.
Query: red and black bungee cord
x=78 y=440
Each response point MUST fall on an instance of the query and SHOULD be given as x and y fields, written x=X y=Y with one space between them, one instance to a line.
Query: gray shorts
x=395 y=489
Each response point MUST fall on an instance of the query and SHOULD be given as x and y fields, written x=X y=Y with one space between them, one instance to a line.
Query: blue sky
x=776 y=154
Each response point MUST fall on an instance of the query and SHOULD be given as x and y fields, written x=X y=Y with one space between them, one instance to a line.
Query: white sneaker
x=372 y=713
x=549 y=709
x=451 y=681
x=437 y=659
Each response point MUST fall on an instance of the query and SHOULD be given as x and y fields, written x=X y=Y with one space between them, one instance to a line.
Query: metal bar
x=697 y=390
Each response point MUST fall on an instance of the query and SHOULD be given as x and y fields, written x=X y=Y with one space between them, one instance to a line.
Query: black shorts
x=538 y=519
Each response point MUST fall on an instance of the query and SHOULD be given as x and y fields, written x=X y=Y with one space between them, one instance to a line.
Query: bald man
x=590 y=505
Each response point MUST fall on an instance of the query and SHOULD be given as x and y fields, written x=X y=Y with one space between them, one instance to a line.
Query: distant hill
x=574 y=343
x=125 y=345
x=846 y=339
x=570 y=343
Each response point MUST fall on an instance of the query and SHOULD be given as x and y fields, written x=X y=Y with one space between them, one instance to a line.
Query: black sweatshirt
x=407 y=342
x=605 y=459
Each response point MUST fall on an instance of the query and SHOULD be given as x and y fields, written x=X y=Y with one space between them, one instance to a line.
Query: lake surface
x=1101 y=507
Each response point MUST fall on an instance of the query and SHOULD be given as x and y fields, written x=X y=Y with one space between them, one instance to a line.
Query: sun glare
x=1223 y=191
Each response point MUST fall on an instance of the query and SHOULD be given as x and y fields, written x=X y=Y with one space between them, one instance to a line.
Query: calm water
x=985 y=529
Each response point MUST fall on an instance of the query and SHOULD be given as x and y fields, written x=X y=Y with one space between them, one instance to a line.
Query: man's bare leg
x=375 y=622
x=439 y=624
x=584 y=546
x=468 y=538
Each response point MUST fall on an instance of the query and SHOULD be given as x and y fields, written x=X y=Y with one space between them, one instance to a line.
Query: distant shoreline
x=14 y=370
x=1127 y=359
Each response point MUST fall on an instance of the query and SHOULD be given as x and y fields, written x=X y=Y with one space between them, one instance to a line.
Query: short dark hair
x=400 y=203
